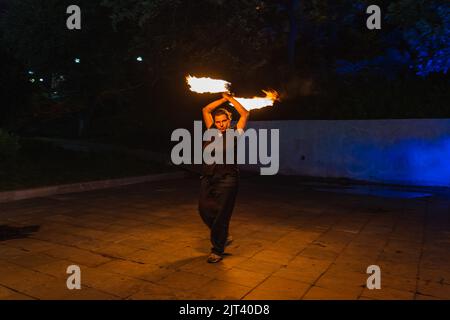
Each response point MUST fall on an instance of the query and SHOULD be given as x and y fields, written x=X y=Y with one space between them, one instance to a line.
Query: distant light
x=41 y=80
x=30 y=72
x=139 y=59
x=32 y=80
x=77 y=60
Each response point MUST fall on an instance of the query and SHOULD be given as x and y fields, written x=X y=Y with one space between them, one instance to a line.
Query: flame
x=207 y=85
x=259 y=102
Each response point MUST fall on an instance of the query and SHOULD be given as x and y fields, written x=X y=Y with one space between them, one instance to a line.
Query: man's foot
x=229 y=241
x=214 y=258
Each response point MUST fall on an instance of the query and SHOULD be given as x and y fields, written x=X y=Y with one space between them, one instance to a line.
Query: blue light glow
x=430 y=161
x=416 y=161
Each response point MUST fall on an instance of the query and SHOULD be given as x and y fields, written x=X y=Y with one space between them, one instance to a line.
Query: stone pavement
x=292 y=241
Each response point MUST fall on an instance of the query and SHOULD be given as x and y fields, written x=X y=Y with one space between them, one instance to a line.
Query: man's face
x=222 y=122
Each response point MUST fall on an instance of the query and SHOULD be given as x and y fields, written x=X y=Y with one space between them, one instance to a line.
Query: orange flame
x=207 y=85
x=259 y=102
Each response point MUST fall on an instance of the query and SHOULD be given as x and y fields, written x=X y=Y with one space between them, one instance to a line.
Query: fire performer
x=219 y=182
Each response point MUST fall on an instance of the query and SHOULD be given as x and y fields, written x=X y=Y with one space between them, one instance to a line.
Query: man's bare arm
x=207 y=116
x=244 y=113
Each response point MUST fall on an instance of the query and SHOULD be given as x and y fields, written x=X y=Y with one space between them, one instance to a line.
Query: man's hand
x=226 y=96
x=242 y=111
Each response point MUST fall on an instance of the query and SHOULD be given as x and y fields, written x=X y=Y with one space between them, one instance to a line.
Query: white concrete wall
x=410 y=152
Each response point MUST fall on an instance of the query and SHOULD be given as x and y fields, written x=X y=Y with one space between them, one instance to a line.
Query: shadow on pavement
x=8 y=232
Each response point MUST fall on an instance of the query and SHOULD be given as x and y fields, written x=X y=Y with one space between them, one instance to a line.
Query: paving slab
x=291 y=241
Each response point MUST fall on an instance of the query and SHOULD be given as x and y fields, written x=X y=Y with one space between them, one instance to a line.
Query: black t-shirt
x=222 y=168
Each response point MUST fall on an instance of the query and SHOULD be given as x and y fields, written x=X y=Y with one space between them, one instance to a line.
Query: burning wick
x=208 y=85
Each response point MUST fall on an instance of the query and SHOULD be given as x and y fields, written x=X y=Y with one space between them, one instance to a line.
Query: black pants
x=216 y=203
